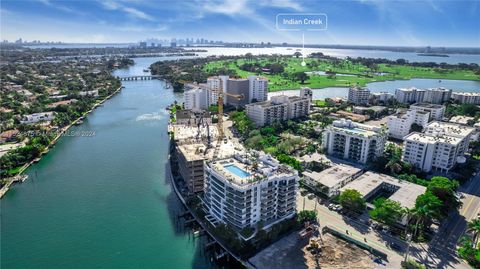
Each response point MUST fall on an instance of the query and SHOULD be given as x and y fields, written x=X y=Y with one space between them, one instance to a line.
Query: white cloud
x=111 y=5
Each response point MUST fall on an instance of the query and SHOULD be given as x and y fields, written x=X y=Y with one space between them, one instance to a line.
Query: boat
x=79 y=122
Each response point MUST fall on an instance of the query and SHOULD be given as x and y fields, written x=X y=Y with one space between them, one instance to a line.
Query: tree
x=427 y=207
x=394 y=166
x=307 y=215
x=301 y=76
x=468 y=252
x=297 y=54
x=415 y=128
x=444 y=189
x=474 y=227
x=352 y=200
x=387 y=211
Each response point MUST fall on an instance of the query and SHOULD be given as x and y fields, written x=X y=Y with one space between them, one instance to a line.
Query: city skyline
x=392 y=23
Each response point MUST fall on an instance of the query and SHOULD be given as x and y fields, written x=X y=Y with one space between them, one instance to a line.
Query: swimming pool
x=237 y=171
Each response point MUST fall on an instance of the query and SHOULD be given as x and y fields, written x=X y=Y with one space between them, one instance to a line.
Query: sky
x=350 y=22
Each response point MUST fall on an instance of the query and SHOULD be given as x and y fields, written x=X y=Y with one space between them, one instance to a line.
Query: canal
x=103 y=201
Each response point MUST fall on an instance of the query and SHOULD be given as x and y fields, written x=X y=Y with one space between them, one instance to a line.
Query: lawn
x=346 y=72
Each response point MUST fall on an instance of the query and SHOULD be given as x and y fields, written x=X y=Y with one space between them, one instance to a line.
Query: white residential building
x=399 y=124
x=93 y=93
x=437 y=95
x=358 y=95
x=37 y=117
x=214 y=84
x=381 y=97
x=278 y=108
x=354 y=141
x=258 y=88
x=196 y=98
x=467 y=97
x=409 y=95
x=439 y=147
x=436 y=111
x=244 y=190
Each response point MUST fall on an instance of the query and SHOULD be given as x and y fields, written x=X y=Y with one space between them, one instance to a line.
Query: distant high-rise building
x=466 y=97
x=441 y=146
x=258 y=89
x=214 y=84
x=358 y=96
x=196 y=98
x=354 y=141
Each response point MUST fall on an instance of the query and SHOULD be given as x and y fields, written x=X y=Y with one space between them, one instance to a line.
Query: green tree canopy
x=387 y=211
x=352 y=200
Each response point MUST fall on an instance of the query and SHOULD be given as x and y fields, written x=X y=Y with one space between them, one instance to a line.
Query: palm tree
x=420 y=214
x=427 y=207
x=474 y=227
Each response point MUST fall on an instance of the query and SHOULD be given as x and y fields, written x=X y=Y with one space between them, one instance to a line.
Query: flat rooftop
x=241 y=171
x=461 y=119
x=406 y=193
x=449 y=129
x=432 y=139
x=427 y=105
x=333 y=175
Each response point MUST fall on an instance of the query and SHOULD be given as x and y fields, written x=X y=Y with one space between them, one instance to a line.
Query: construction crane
x=220 y=116
x=221 y=94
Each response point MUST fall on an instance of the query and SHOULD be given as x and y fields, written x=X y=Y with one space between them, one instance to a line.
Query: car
x=311 y=196
x=395 y=246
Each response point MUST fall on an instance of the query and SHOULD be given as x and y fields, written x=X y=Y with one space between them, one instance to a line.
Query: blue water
x=237 y=171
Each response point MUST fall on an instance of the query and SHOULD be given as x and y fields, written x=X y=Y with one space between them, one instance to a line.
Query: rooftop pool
x=232 y=168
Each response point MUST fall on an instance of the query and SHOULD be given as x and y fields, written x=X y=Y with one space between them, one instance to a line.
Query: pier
x=140 y=77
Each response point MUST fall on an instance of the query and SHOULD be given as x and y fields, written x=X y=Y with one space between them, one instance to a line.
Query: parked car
x=395 y=246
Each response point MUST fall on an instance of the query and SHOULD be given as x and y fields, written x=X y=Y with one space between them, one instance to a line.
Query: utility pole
x=409 y=241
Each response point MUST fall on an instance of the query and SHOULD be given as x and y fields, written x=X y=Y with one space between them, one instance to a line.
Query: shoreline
x=197 y=219
x=11 y=180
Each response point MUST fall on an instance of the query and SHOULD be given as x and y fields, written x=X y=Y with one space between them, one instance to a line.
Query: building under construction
x=194 y=145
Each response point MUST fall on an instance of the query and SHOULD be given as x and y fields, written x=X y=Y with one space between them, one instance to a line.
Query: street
x=443 y=245
x=439 y=253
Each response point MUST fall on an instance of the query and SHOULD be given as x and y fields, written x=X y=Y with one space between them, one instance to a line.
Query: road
x=439 y=253
x=454 y=227
x=356 y=230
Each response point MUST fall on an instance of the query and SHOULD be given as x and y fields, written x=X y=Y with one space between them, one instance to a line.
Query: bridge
x=140 y=77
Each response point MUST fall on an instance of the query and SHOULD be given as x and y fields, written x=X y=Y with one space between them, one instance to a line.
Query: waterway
x=340 y=53
x=103 y=201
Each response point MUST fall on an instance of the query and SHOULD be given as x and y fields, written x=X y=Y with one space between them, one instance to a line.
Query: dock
x=225 y=251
